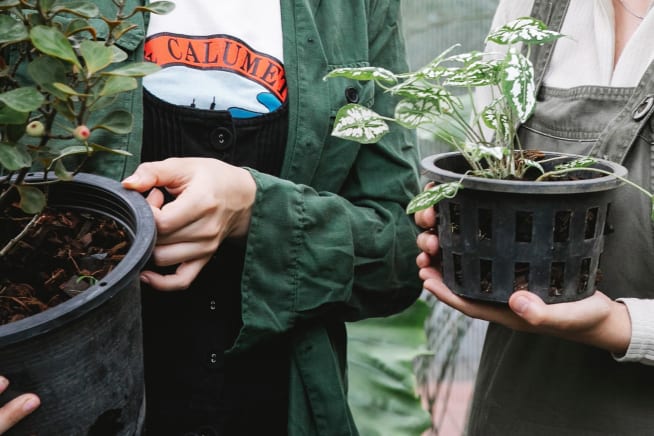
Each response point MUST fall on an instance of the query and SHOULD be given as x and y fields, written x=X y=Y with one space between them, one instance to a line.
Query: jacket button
x=213 y=358
x=212 y=305
x=221 y=138
x=351 y=95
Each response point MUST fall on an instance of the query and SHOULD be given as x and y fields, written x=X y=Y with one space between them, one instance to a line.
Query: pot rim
x=602 y=183
x=143 y=232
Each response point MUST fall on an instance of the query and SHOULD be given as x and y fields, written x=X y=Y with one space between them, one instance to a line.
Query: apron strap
x=552 y=13
x=620 y=134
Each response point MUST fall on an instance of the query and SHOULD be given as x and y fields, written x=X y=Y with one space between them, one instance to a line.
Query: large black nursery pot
x=84 y=356
x=497 y=236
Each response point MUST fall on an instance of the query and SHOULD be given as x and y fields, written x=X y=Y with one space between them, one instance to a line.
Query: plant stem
x=597 y=170
x=7 y=248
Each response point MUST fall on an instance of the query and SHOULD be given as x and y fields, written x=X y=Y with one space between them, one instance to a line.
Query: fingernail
x=30 y=404
x=145 y=279
x=131 y=179
x=3 y=382
x=521 y=304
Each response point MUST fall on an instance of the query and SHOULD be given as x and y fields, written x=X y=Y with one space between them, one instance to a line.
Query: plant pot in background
x=83 y=357
x=497 y=236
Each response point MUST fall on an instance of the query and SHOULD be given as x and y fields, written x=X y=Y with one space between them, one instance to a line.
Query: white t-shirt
x=589 y=41
x=219 y=55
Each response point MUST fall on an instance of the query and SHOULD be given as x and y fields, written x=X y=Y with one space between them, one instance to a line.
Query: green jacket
x=329 y=241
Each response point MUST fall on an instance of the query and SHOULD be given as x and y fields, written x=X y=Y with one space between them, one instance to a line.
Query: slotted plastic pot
x=84 y=356
x=497 y=236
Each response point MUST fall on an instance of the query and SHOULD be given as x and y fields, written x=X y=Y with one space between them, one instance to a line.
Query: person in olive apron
x=580 y=368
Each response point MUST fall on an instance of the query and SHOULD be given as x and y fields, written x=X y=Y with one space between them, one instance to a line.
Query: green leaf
x=24 y=99
x=433 y=70
x=527 y=30
x=382 y=391
x=119 y=54
x=414 y=113
x=52 y=42
x=121 y=29
x=72 y=150
x=117 y=84
x=358 y=123
x=61 y=172
x=79 y=25
x=159 y=7
x=494 y=117
x=529 y=163
x=32 y=200
x=584 y=162
x=12 y=117
x=45 y=6
x=136 y=69
x=478 y=152
x=443 y=100
x=12 y=30
x=119 y=122
x=432 y=196
x=479 y=73
x=8 y=4
x=14 y=157
x=80 y=8
x=98 y=147
x=96 y=55
x=518 y=84
x=363 y=74
x=62 y=87
x=45 y=70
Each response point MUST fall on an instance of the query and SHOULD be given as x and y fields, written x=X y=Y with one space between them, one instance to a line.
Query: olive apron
x=192 y=387
x=537 y=385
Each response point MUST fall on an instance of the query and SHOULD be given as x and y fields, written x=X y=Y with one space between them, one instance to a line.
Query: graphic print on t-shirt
x=225 y=55
x=216 y=64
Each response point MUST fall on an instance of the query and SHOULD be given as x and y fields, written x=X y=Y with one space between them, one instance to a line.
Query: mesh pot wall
x=84 y=357
x=497 y=236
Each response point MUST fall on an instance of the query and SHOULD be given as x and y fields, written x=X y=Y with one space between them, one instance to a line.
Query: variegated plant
x=429 y=100
x=59 y=63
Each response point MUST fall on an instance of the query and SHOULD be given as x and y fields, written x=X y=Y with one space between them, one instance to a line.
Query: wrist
x=619 y=329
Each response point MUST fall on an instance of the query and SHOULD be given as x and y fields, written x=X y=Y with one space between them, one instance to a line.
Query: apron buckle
x=643 y=108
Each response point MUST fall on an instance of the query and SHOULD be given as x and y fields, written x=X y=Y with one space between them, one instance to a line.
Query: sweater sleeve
x=641 y=346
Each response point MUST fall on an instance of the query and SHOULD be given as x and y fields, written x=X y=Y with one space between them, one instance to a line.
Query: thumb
x=528 y=306
x=164 y=173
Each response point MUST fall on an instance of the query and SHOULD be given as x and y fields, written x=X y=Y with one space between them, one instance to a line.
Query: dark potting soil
x=60 y=254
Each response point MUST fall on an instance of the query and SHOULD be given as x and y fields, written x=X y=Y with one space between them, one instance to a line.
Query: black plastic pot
x=497 y=236
x=84 y=356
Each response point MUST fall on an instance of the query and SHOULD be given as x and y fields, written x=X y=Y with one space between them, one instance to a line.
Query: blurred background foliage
x=424 y=350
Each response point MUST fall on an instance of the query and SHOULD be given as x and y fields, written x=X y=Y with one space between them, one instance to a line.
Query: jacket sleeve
x=343 y=254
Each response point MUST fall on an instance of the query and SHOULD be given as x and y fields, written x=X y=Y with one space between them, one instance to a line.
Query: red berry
x=81 y=133
x=35 y=128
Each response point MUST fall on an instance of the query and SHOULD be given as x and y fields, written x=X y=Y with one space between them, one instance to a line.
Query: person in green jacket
x=271 y=232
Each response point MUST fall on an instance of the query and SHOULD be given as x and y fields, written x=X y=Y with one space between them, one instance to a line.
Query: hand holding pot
x=16 y=409
x=212 y=202
x=596 y=320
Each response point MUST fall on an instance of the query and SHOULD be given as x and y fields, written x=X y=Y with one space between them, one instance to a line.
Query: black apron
x=192 y=387
x=537 y=385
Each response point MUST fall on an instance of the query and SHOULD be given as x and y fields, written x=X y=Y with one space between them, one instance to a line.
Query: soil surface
x=58 y=255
